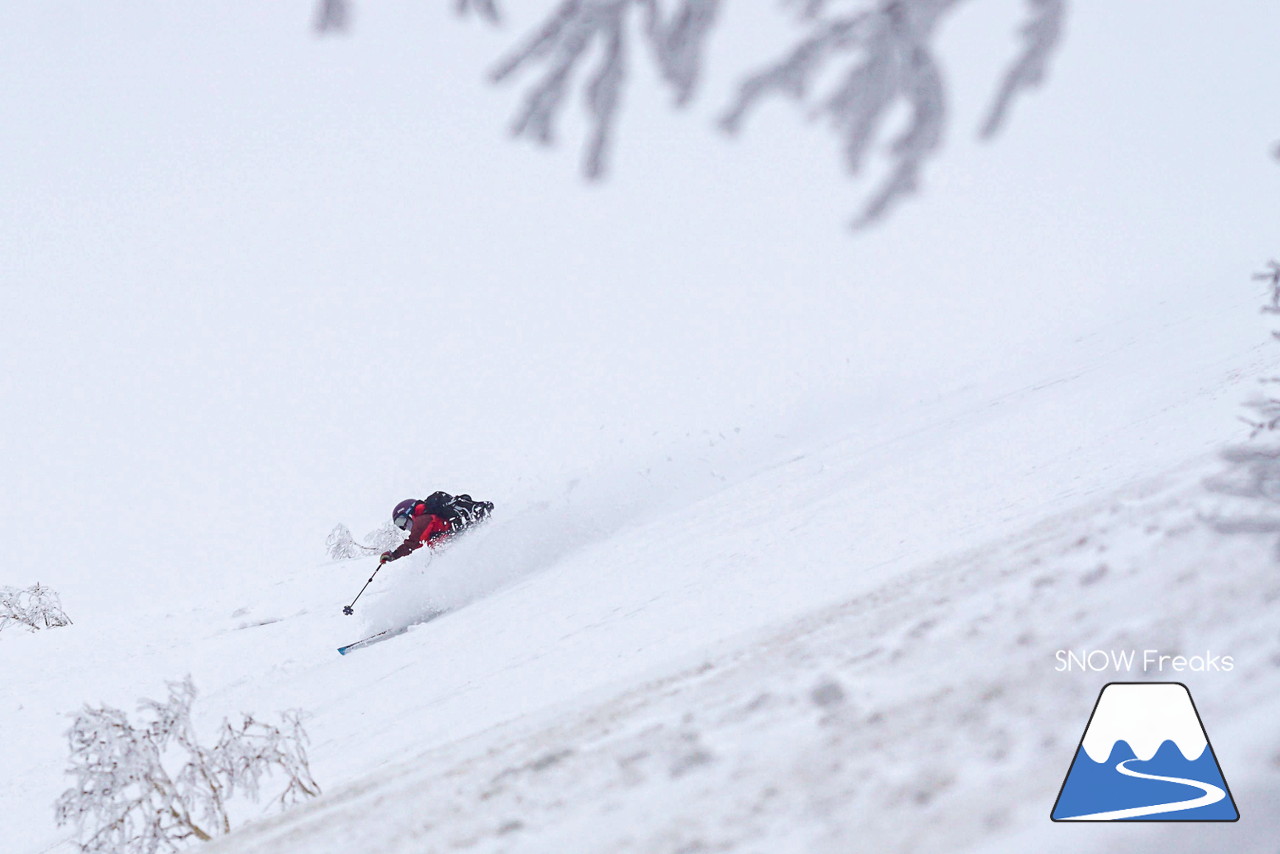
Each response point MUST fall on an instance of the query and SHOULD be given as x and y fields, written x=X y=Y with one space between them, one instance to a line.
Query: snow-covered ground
x=790 y=525
x=922 y=715
x=665 y=682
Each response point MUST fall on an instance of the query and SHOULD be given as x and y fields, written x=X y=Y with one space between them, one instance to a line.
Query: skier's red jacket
x=427 y=530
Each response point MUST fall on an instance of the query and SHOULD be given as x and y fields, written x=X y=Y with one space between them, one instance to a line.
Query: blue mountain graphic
x=1096 y=787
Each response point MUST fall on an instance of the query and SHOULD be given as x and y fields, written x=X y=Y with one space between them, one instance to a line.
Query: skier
x=433 y=521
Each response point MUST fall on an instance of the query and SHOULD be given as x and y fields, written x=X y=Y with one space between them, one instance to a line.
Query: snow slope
x=789 y=525
x=808 y=737
x=672 y=671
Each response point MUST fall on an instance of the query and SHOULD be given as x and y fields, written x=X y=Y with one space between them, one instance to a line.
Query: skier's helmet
x=403 y=514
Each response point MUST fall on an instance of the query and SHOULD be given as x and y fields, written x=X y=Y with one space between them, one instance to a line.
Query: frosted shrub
x=386 y=537
x=342 y=546
x=36 y=608
x=152 y=786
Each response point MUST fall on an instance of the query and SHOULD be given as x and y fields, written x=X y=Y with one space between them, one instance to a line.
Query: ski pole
x=350 y=609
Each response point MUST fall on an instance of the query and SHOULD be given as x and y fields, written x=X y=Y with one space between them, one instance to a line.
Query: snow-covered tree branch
x=569 y=35
x=1041 y=36
x=37 y=607
x=152 y=786
x=889 y=62
x=880 y=52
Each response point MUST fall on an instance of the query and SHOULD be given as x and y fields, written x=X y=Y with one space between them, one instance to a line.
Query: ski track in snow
x=1212 y=794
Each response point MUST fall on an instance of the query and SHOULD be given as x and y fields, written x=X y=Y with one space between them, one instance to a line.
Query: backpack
x=461 y=511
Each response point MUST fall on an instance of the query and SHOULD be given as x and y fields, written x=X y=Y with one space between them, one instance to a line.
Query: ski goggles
x=402 y=521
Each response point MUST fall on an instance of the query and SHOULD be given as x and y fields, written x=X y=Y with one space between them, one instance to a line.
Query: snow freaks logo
x=1150 y=660
x=1145 y=756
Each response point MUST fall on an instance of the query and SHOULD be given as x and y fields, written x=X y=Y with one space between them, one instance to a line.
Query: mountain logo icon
x=1145 y=756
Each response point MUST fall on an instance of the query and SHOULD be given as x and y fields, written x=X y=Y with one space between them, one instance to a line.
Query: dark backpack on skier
x=461 y=511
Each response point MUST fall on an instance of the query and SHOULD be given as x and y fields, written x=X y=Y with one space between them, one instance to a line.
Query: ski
x=371 y=640
x=389 y=633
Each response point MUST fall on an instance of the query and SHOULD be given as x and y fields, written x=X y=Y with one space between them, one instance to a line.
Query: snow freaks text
x=1146 y=660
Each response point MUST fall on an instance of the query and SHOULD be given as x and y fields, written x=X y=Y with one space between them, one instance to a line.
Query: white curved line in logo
x=1212 y=794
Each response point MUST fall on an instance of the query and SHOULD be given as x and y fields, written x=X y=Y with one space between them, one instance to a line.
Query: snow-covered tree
x=1253 y=468
x=152 y=786
x=878 y=56
x=342 y=546
x=1266 y=406
x=36 y=607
